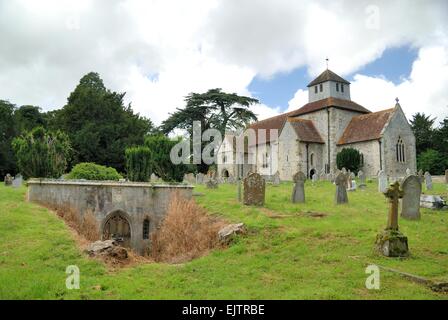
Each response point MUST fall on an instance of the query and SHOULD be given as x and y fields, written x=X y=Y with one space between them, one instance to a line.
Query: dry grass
x=187 y=232
x=89 y=227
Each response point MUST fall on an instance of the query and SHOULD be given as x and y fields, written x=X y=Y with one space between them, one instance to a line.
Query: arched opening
x=312 y=159
x=146 y=229
x=117 y=228
x=312 y=172
x=225 y=173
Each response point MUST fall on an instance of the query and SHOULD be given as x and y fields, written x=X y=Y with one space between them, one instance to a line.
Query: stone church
x=310 y=137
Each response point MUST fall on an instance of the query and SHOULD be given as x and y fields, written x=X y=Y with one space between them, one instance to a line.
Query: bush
x=187 y=232
x=160 y=147
x=92 y=171
x=138 y=163
x=41 y=153
x=432 y=161
x=349 y=159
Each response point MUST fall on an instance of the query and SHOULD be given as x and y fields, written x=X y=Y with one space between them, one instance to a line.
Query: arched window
x=146 y=229
x=312 y=159
x=400 y=150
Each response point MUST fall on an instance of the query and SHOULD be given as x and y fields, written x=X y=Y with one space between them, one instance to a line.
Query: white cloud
x=160 y=50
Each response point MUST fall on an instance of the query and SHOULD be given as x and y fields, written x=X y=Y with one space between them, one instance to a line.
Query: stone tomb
x=254 y=190
x=298 y=192
x=410 y=204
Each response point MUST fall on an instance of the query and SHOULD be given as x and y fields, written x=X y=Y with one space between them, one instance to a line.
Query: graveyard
x=311 y=249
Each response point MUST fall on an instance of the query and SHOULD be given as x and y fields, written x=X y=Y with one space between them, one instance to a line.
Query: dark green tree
x=138 y=164
x=422 y=126
x=92 y=171
x=42 y=154
x=432 y=161
x=7 y=133
x=29 y=117
x=214 y=109
x=160 y=147
x=99 y=125
x=440 y=140
x=349 y=159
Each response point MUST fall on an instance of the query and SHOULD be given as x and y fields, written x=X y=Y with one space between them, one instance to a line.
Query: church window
x=342 y=87
x=362 y=160
x=265 y=160
x=146 y=229
x=321 y=87
x=224 y=159
x=312 y=159
x=400 y=151
x=337 y=87
x=315 y=89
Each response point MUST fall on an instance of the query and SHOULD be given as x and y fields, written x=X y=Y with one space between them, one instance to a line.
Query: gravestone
x=446 y=176
x=431 y=202
x=410 y=204
x=200 y=178
x=8 y=180
x=420 y=175
x=212 y=184
x=314 y=177
x=298 y=192
x=254 y=190
x=17 y=182
x=382 y=181
x=276 y=179
x=341 y=189
x=391 y=242
x=362 y=179
x=428 y=181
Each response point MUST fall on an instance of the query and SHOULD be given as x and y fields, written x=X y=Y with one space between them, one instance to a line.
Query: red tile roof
x=330 y=102
x=366 y=127
x=306 y=130
x=327 y=75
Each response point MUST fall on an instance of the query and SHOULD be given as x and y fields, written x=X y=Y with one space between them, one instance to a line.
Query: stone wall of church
x=316 y=151
x=225 y=157
x=371 y=153
x=398 y=128
x=289 y=156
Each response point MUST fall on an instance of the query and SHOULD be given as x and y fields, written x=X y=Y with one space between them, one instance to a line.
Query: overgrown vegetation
x=138 y=164
x=41 y=153
x=350 y=159
x=92 y=171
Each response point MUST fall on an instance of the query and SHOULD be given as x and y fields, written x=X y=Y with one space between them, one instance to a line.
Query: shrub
x=349 y=159
x=160 y=147
x=432 y=161
x=41 y=153
x=187 y=232
x=138 y=163
x=92 y=171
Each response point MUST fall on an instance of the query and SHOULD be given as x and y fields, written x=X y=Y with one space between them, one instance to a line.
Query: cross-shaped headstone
x=394 y=194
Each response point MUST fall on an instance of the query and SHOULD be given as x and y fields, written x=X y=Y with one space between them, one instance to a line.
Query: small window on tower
x=321 y=87
x=342 y=87
x=337 y=87
x=315 y=89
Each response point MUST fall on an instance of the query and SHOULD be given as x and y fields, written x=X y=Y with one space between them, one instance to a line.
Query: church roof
x=306 y=130
x=327 y=75
x=330 y=102
x=366 y=127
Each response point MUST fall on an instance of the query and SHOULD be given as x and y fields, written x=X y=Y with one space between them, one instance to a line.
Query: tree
x=28 y=117
x=432 y=161
x=7 y=133
x=422 y=126
x=100 y=127
x=440 y=140
x=213 y=109
x=92 y=171
x=349 y=159
x=138 y=164
x=160 y=147
x=42 y=154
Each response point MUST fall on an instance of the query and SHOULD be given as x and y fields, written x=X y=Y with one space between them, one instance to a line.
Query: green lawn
x=287 y=253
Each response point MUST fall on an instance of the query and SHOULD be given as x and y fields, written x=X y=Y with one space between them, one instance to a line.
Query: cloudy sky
x=159 y=51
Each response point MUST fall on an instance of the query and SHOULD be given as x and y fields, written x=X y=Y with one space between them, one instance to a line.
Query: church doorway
x=117 y=228
x=225 y=173
x=312 y=172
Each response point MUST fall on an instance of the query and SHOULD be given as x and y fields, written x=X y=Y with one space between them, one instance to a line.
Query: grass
x=287 y=253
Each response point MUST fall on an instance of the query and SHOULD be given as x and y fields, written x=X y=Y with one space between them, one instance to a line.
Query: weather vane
x=327 y=61
x=396 y=99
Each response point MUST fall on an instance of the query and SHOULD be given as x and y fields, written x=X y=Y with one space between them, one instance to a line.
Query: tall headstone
x=314 y=177
x=8 y=180
x=276 y=179
x=362 y=179
x=391 y=242
x=254 y=190
x=298 y=192
x=200 y=178
x=428 y=181
x=341 y=188
x=410 y=204
x=382 y=181
x=17 y=182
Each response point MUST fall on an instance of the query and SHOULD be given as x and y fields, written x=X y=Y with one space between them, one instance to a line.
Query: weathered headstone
x=410 y=204
x=276 y=179
x=314 y=177
x=341 y=188
x=212 y=184
x=421 y=176
x=428 y=181
x=362 y=179
x=17 y=182
x=391 y=242
x=8 y=180
x=200 y=178
x=431 y=202
x=298 y=192
x=254 y=190
x=382 y=181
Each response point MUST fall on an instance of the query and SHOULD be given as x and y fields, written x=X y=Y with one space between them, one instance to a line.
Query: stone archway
x=117 y=227
x=312 y=172
x=225 y=173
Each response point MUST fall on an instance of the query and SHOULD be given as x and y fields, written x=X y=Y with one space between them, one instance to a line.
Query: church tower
x=328 y=85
